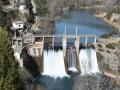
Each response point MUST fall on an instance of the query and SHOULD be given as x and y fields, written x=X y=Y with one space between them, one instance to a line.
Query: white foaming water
x=73 y=69
x=54 y=63
x=71 y=59
x=88 y=61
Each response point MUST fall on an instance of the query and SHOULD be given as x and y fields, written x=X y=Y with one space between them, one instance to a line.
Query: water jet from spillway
x=54 y=63
x=71 y=60
x=88 y=61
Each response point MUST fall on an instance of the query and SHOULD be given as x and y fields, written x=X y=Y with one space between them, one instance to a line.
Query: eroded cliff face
x=108 y=52
x=98 y=82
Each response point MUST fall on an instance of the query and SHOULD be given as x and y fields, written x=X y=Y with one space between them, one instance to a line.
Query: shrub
x=99 y=45
x=111 y=45
x=9 y=68
x=105 y=36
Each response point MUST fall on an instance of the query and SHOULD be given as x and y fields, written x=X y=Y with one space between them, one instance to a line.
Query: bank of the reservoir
x=114 y=24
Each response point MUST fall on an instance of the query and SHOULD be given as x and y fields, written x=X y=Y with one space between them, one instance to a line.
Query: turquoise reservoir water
x=85 y=20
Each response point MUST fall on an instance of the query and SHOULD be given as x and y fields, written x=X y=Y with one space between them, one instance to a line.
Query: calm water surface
x=85 y=20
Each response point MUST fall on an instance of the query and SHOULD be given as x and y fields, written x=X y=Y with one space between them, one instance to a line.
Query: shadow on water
x=30 y=64
x=59 y=83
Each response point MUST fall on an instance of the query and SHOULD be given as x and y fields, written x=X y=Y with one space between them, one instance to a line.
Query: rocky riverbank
x=108 y=48
x=108 y=51
x=98 y=82
x=114 y=24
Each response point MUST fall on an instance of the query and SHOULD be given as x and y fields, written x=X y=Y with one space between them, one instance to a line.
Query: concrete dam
x=55 y=56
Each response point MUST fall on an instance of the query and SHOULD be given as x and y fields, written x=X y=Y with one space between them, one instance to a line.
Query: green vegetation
x=2 y=18
x=105 y=36
x=7 y=17
x=117 y=7
x=99 y=45
x=101 y=50
x=28 y=4
x=111 y=45
x=9 y=69
x=41 y=7
x=30 y=18
x=4 y=2
x=117 y=10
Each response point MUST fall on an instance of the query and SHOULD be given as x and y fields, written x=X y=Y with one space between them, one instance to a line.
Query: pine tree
x=3 y=18
x=4 y=2
x=9 y=69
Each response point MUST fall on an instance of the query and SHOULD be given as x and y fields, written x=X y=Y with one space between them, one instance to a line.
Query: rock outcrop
x=108 y=51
